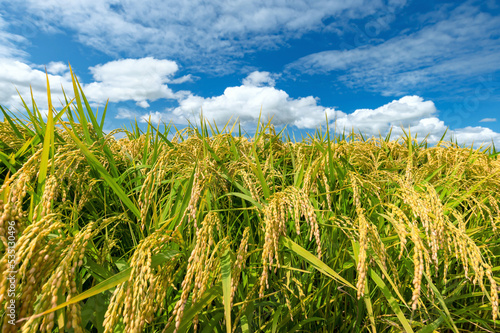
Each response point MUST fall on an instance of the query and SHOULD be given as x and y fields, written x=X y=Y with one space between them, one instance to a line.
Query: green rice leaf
x=441 y=300
x=48 y=142
x=432 y=327
x=313 y=260
x=276 y=317
x=79 y=107
x=244 y=197
x=392 y=301
x=11 y=123
x=226 y=287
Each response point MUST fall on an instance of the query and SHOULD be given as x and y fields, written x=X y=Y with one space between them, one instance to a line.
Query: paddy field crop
x=206 y=229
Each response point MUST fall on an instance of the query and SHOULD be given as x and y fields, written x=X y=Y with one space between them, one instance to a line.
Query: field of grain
x=213 y=231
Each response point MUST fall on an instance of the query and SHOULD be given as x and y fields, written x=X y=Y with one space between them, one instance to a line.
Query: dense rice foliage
x=212 y=231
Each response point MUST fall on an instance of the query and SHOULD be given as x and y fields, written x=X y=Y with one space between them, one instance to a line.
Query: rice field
x=213 y=230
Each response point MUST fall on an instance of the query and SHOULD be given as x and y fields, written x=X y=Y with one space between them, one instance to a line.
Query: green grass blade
x=90 y=113
x=226 y=288
x=441 y=300
x=214 y=324
x=392 y=301
x=31 y=116
x=455 y=203
x=79 y=107
x=313 y=260
x=276 y=318
x=432 y=327
x=6 y=160
x=11 y=123
x=103 y=117
x=244 y=197
x=48 y=143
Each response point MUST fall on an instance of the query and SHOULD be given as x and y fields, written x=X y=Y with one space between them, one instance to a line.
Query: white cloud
x=416 y=114
x=142 y=104
x=246 y=101
x=53 y=67
x=460 y=45
x=57 y=68
x=243 y=102
x=477 y=135
x=488 y=120
x=201 y=33
x=139 y=80
x=258 y=79
x=21 y=76
x=154 y=116
x=408 y=110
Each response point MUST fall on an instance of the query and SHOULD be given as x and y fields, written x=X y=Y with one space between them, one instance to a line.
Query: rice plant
x=213 y=231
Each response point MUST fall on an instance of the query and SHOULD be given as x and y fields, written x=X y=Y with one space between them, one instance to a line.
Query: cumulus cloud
x=205 y=34
x=140 y=80
x=23 y=77
x=459 y=45
x=407 y=112
x=53 y=67
x=143 y=104
x=154 y=117
x=416 y=114
x=258 y=79
x=477 y=135
x=247 y=100
x=57 y=67
x=403 y=112
x=244 y=102
x=17 y=76
x=257 y=92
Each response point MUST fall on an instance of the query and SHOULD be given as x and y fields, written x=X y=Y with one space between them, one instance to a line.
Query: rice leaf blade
x=392 y=301
x=313 y=260
x=226 y=288
x=47 y=145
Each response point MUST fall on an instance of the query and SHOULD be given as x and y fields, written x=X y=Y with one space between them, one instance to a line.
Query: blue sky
x=370 y=65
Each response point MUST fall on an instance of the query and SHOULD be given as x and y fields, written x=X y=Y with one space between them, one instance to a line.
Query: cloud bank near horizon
x=257 y=95
x=146 y=80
